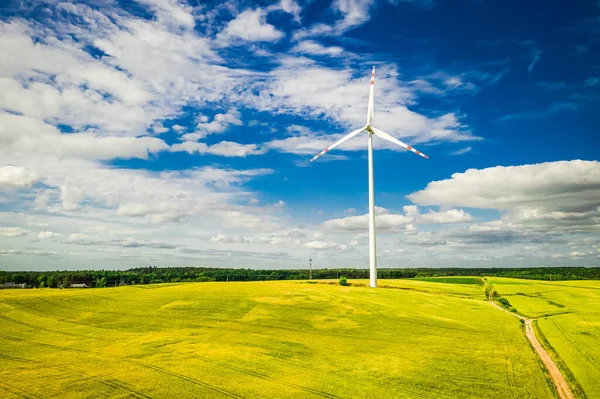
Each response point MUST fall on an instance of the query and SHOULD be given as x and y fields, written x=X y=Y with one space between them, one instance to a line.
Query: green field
x=452 y=280
x=457 y=286
x=569 y=318
x=418 y=339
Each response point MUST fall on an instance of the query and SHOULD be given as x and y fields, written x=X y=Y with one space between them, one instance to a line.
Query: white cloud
x=354 y=12
x=223 y=238
x=383 y=221
x=553 y=196
x=291 y=7
x=219 y=124
x=70 y=198
x=461 y=151
x=562 y=185
x=303 y=88
x=313 y=48
x=124 y=242
x=135 y=243
x=250 y=25
x=28 y=251
x=449 y=216
x=349 y=14
x=411 y=210
x=323 y=245
x=171 y=12
x=34 y=136
x=290 y=238
x=12 y=232
x=224 y=148
x=16 y=176
x=43 y=235
x=248 y=221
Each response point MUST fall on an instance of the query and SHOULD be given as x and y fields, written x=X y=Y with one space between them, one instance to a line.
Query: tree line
x=155 y=275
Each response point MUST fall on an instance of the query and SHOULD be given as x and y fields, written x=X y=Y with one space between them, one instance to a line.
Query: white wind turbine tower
x=372 y=130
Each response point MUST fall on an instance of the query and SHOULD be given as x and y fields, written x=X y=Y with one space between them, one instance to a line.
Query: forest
x=156 y=275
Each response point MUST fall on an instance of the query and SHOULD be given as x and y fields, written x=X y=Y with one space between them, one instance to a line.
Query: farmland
x=416 y=339
x=568 y=317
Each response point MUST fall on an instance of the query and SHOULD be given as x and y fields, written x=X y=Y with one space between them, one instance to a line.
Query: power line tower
x=310 y=268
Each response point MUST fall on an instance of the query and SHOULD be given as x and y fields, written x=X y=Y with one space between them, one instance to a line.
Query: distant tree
x=41 y=280
x=147 y=274
x=343 y=280
x=102 y=282
x=504 y=302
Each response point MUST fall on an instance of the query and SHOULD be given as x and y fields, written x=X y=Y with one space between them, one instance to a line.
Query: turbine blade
x=370 y=106
x=394 y=140
x=345 y=138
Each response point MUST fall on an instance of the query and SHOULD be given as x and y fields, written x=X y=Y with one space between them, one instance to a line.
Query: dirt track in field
x=564 y=391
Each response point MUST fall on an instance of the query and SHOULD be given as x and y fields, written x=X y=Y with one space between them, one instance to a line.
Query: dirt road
x=564 y=391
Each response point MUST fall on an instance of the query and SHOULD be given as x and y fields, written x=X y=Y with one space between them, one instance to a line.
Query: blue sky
x=179 y=133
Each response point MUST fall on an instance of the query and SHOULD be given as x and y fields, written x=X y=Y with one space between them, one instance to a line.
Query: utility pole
x=310 y=268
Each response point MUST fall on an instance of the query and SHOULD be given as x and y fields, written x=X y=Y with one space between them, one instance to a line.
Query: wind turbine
x=372 y=130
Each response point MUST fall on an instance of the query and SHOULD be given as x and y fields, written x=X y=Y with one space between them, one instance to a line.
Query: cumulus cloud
x=250 y=25
x=290 y=238
x=384 y=220
x=70 y=198
x=127 y=242
x=219 y=124
x=564 y=185
x=135 y=243
x=31 y=135
x=223 y=238
x=303 y=87
x=291 y=7
x=16 y=176
x=449 y=216
x=313 y=48
x=43 y=235
x=248 y=221
x=357 y=223
x=12 y=232
x=322 y=245
x=224 y=148
x=28 y=251
x=561 y=196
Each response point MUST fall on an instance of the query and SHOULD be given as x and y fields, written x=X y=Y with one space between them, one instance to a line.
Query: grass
x=264 y=339
x=453 y=287
x=453 y=280
x=569 y=320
